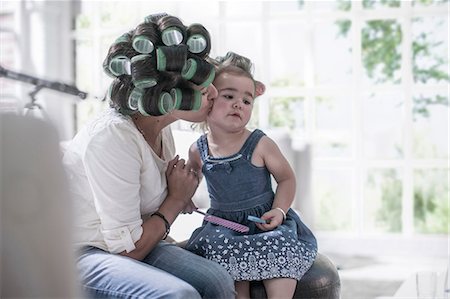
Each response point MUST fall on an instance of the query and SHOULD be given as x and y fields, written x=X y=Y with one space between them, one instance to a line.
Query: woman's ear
x=260 y=88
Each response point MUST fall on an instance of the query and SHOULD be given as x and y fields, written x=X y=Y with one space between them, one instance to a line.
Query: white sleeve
x=113 y=162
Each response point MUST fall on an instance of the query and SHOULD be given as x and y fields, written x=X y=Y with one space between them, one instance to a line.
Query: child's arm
x=283 y=174
x=194 y=161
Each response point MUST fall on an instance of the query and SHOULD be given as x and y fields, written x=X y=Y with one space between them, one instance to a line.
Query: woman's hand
x=181 y=181
x=189 y=208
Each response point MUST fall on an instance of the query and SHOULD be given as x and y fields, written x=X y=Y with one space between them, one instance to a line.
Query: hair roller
x=155 y=103
x=186 y=98
x=124 y=38
x=146 y=36
x=117 y=62
x=198 y=40
x=198 y=71
x=153 y=18
x=171 y=58
x=119 y=93
x=134 y=98
x=143 y=72
x=173 y=32
x=120 y=65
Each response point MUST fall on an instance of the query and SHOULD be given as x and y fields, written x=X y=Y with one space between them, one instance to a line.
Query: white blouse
x=115 y=181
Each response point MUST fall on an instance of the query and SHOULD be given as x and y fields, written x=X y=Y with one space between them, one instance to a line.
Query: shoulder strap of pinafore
x=250 y=143
x=202 y=145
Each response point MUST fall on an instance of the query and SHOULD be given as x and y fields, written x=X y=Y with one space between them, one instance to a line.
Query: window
x=9 y=58
x=365 y=82
x=35 y=39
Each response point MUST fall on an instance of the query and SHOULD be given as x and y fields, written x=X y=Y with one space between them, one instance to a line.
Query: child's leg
x=242 y=289
x=280 y=288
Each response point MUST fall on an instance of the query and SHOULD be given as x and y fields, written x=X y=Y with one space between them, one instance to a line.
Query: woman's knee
x=218 y=283
x=105 y=275
x=181 y=293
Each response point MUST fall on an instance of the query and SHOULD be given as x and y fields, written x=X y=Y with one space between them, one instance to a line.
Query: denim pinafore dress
x=237 y=189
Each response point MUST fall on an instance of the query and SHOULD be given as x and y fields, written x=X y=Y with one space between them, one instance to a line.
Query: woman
x=126 y=185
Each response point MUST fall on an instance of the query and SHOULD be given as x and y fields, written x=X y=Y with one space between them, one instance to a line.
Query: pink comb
x=225 y=223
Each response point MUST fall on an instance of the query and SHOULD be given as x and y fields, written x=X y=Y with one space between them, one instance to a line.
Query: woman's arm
x=113 y=167
x=182 y=184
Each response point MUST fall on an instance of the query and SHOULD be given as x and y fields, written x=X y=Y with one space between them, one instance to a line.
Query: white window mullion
x=309 y=73
x=360 y=168
x=264 y=109
x=97 y=36
x=407 y=82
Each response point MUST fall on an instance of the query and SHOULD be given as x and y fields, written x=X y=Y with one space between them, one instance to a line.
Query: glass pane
x=190 y=11
x=89 y=60
x=277 y=7
x=383 y=201
x=381 y=53
x=329 y=5
x=373 y=4
x=430 y=126
x=115 y=13
x=431 y=206
x=430 y=3
x=286 y=112
x=344 y=5
x=383 y=121
x=286 y=63
x=243 y=39
x=333 y=131
x=150 y=7
x=83 y=21
x=243 y=9
x=86 y=110
x=337 y=67
x=9 y=57
x=85 y=69
x=430 y=49
x=332 y=189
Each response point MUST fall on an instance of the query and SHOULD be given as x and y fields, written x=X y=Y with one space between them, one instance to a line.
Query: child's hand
x=274 y=219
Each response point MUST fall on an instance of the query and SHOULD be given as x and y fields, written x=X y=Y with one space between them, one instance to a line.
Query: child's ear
x=260 y=88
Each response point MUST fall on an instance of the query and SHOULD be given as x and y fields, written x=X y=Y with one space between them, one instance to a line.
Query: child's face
x=234 y=103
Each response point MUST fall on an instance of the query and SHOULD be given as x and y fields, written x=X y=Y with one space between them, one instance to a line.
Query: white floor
x=372 y=277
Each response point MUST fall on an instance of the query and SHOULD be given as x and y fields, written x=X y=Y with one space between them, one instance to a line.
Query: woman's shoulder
x=110 y=120
x=107 y=130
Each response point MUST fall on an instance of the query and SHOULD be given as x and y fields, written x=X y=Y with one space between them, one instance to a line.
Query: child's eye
x=247 y=102
x=228 y=96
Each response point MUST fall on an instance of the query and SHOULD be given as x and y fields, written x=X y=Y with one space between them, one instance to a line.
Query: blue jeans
x=167 y=272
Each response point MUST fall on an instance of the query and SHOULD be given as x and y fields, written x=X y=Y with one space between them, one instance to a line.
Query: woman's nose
x=212 y=92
